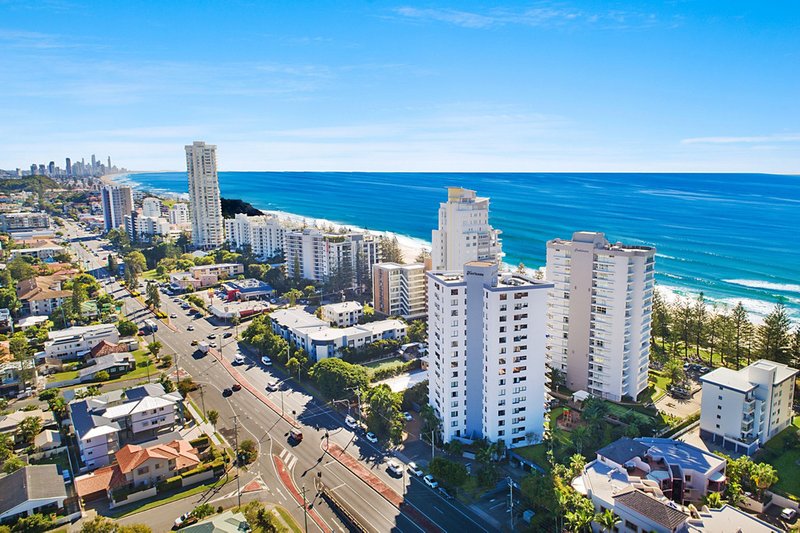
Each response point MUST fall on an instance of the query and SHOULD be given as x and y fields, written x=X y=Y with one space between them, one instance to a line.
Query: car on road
x=194 y=342
x=227 y=391
x=190 y=327
x=372 y=437
x=266 y=361
x=212 y=336
x=788 y=514
x=227 y=335
x=173 y=315
x=272 y=386
x=432 y=483
x=296 y=435
x=414 y=469
x=350 y=422
x=408 y=416
x=238 y=359
x=212 y=344
x=236 y=387
x=184 y=520
x=394 y=467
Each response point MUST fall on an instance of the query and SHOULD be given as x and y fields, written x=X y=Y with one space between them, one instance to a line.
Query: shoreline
x=411 y=247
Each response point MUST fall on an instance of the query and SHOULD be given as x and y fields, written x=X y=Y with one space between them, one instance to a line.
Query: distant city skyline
x=539 y=86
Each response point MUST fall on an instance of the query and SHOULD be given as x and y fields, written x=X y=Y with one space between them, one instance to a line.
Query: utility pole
x=511 y=500
x=202 y=400
x=433 y=448
x=236 y=455
x=305 y=509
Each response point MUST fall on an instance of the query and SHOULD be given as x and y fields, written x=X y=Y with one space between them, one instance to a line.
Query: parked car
x=184 y=520
x=67 y=476
x=212 y=344
x=350 y=422
x=414 y=469
x=432 y=483
x=266 y=361
x=173 y=315
x=272 y=386
x=236 y=387
x=408 y=416
x=788 y=514
x=212 y=336
x=394 y=467
x=372 y=437
x=238 y=359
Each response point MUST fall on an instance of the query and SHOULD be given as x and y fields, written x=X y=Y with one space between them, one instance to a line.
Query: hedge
x=394 y=369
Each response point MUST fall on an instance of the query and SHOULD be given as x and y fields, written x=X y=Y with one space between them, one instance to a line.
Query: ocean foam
x=759 y=284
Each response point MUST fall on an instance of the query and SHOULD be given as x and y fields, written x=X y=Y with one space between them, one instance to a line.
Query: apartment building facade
x=742 y=409
x=263 y=234
x=464 y=233
x=205 y=206
x=317 y=256
x=400 y=290
x=599 y=314
x=117 y=202
x=24 y=221
x=486 y=337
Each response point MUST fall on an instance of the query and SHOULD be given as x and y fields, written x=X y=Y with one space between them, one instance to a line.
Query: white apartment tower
x=464 y=232
x=179 y=214
x=117 y=203
x=204 y=201
x=151 y=207
x=315 y=255
x=486 y=338
x=263 y=234
x=598 y=314
x=399 y=290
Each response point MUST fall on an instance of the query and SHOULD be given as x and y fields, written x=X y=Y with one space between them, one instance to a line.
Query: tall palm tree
x=579 y=437
x=576 y=464
x=764 y=476
x=580 y=520
x=607 y=520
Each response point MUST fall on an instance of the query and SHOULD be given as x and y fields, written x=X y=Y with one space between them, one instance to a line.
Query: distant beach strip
x=714 y=234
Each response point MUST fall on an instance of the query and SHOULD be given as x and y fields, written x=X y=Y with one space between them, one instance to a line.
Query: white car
x=266 y=361
x=190 y=327
x=272 y=386
x=414 y=469
x=372 y=437
x=173 y=315
x=788 y=514
x=350 y=422
x=394 y=467
x=408 y=416
x=238 y=359
x=212 y=344
x=432 y=483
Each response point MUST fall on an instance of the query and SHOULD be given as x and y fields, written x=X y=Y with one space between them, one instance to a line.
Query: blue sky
x=467 y=86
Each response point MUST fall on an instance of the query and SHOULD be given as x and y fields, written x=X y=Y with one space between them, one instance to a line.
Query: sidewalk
x=205 y=427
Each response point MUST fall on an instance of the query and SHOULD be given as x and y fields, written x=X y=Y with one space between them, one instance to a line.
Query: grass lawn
x=784 y=461
x=63 y=376
x=59 y=459
x=537 y=453
x=150 y=274
x=140 y=356
x=384 y=362
x=288 y=520
x=151 y=504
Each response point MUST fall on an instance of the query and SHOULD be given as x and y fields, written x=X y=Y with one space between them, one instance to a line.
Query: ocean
x=730 y=236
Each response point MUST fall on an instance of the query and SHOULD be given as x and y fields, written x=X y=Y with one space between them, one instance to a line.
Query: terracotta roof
x=132 y=456
x=105 y=348
x=42 y=288
x=102 y=479
x=651 y=508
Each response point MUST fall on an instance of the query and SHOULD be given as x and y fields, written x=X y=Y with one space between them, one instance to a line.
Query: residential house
x=77 y=342
x=43 y=253
x=9 y=424
x=13 y=380
x=103 y=423
x=30 y=490
x=42 y=295
x=115 y=364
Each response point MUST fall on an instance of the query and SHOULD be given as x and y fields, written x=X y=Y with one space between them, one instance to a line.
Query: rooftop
x=749 y=377
x=32 y=482
x=659 y=512
x=343 y=307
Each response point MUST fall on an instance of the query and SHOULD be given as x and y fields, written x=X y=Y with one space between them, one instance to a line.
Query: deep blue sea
x=732 y=236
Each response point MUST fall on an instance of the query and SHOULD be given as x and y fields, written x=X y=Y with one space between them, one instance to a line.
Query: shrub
x=172 y=483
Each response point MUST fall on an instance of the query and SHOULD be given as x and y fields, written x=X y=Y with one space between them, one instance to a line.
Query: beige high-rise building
x=464 y=232
x=117 y=203
x=399 y=290
x=204 y=202
x=598 y=314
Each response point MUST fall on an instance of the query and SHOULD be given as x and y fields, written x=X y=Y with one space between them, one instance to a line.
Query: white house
x=742 y=409
x=31 y=489
x=342 y=314
x=77 y=341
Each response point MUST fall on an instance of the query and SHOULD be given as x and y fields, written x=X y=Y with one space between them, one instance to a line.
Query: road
x=254 y=420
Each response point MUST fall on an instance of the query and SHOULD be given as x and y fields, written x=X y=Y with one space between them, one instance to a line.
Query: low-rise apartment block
x=486 y=346
x=220 y=270
x=742 y=409
x=400 y=290
x=41 y=295
x=77 y=342
x=264 y=234
x=321 y=341
x=103 y=423
x=317 y=256
x=342 y=314
x=12 y=222
x=43 y=253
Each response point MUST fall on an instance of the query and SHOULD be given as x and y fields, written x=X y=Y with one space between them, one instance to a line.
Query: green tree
x=293 y=366
x=673 y=371
x=579 y=519
x=155 y=348
x=538 y=490
x=763 y=476
x=35 y=523
x=390 y=250
x=576 y=464
x=203 y=510
x=153 y=296
x=165 y=381
x=248 y=451
x=292 y=295
x=261 y=520
x=29 y=428
x=713 y=500
x=9 y=300
x=102 y=376
x=127 y=328
x=607 y=520
x=742 y=330
x=384 y=417
x=19 y=347
x=451 y=473
x=135 y=264
x=417 y=331
x=773 y=335
x=334 y=377
x=20 y=269
x=113 y=265
x=6 y=280
x=213 y=417
x=12 y=464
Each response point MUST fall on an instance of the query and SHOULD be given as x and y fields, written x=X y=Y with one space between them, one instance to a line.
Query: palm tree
x=764 y=476
x=713 y=500
x=580 y=519
x=576 y=464
x=607 y=520
x=579 y=437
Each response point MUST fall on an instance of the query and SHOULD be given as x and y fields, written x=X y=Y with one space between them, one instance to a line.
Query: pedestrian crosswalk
x=288 y=458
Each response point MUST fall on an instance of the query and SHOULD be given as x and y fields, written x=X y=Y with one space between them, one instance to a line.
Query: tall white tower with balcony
x=205 y=206
x=598 y=314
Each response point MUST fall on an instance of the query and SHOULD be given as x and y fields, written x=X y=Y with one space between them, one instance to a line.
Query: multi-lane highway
x=304 y=461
